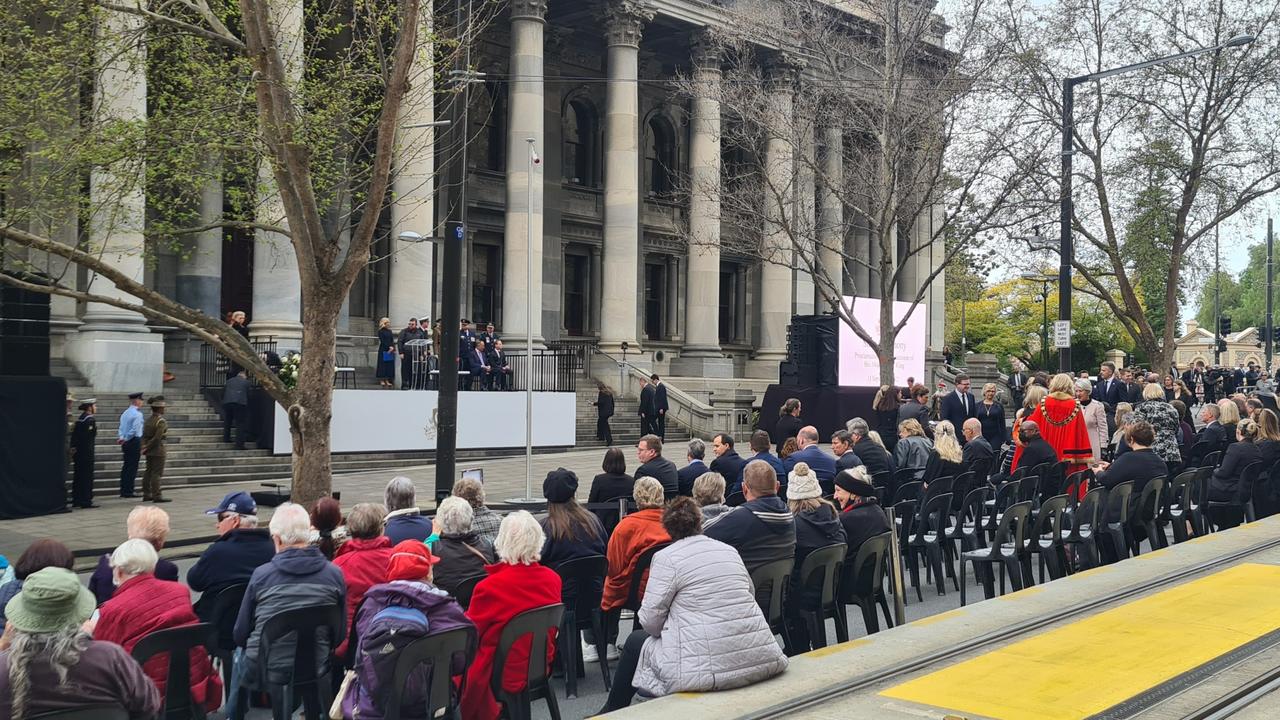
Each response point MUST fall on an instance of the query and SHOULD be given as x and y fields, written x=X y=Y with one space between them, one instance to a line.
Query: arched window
x=579 y=125
x=660 y=154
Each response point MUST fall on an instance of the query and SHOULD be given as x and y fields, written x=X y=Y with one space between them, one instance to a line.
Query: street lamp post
x=1066 y=209
x=1044 y=281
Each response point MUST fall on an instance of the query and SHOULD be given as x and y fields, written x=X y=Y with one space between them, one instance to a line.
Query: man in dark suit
x=695 y=468
x=1017 y=386
x=917 y=408
x=652 y=464
x=1035 y=449
x=876 y=459
x=760 y=444
x=822 y=464
x=1134 y=384
x=959 y=405
x=976 y=447
x=728 y=462
x=660 y=407
x=1109 y=389
x=478 y=366
x=648 y=413
x=842 y=446
x=499 y=371
x=1213 y=432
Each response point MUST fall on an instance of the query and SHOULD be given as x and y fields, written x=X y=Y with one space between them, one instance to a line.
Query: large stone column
x=830 y=230
x=524 y=121
x=624 y=22
x=775 y=270
x=595 y=295
x=409 y=294
x=114 y=350
x=277 y=288
x=200 y=270
x=701 y=356
x=803 y=217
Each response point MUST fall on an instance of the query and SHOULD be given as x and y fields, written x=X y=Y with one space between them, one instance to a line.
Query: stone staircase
x=625 y=425
x=197 y=455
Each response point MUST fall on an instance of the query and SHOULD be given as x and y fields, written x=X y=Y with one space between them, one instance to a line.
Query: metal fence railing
x=546 y=371
x=579 y=350
x=215 y=367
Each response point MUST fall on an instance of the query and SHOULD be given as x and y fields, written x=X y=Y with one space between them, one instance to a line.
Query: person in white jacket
x=1095 y=418
x=702 y=629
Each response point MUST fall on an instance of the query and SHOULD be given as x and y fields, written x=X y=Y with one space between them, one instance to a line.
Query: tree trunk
x=311 y=415
x=887 y=355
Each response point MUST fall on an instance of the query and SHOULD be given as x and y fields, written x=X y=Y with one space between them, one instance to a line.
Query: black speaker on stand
x=33 y=454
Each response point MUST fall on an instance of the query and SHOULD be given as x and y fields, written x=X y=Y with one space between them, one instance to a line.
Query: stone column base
x=118 y=362
x=288 y=335
x=697 y=365
x=765 y=366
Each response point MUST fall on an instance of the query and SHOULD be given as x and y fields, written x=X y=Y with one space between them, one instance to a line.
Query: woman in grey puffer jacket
x=702 y=629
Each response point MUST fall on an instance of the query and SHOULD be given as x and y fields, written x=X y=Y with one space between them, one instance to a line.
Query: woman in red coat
x=143 y=604
x=363 y=559
x=1062 y=424
x=636 y=533
x=516 y=583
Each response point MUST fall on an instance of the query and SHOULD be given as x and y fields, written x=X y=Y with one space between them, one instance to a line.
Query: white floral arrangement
x=288 y=372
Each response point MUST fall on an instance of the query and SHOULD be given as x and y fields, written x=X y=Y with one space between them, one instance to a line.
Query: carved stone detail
x=529 y=10
x=624 y=21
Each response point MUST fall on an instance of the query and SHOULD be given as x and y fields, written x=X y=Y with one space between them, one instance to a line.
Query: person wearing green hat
x=44 y=641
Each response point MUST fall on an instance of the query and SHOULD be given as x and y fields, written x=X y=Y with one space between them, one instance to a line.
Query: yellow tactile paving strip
x=1085 y=667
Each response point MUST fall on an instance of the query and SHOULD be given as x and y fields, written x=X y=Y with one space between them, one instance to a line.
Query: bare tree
x=875 y=112
x=1177 y=149
x=324 y=135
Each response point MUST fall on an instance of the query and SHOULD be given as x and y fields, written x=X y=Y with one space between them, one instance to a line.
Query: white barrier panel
x=374 y=420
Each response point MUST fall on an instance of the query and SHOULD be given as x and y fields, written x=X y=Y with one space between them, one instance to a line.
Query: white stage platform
x=373 y=420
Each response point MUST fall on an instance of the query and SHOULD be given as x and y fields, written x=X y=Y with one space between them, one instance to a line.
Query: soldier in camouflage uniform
x=153 y=435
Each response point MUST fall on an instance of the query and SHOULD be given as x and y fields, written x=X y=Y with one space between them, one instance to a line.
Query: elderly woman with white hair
x=516 y=583
x=145 y=522
x=142 y=605
x=1095 y=417
x=404 y=520
x=483 y=520
x=52 y=665
x=462 y=553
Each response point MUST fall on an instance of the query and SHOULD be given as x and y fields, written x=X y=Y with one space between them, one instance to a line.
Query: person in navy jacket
x=728 y=462
x=697 y=451
x=822 y=464
x=959 y=405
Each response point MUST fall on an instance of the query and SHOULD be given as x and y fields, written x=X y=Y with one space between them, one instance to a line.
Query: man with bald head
x=976 y=447
x=822 y=464
x=762 y=529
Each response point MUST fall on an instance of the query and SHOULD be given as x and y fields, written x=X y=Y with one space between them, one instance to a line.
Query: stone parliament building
x=591 y=82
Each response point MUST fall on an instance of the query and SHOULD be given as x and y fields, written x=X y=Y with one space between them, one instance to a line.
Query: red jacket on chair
x=636 y=533
x=508 y=591
x=143 y=605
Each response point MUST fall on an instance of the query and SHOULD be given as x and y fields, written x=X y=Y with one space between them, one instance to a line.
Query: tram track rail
x=1005 y=635
x=1240 y=697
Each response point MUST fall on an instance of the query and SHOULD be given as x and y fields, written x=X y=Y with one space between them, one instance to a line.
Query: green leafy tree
x=1229 y=292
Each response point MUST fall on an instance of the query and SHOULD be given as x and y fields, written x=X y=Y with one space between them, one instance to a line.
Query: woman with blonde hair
x=1229 y=416
x=946 y=459
x=990 y=412
x=1164 y=419
x=145 y=522
x=1062 y=425
x=386 y=372
x=1268 y=436
x=1122 y=409
x=913 y=448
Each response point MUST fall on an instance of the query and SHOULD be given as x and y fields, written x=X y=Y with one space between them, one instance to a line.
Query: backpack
x=389 y=631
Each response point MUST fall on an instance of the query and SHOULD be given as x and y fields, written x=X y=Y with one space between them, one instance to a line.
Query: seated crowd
x=389 y=574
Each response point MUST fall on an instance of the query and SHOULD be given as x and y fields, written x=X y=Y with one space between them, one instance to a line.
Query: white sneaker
x=589 y=654
x=612 y=652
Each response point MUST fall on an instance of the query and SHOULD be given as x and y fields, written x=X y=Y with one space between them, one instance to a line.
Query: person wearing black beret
x=571 y=531
x=860 y=511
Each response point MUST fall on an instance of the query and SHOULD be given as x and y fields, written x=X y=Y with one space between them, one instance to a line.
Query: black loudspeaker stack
x=813 y=351
x=24 y=332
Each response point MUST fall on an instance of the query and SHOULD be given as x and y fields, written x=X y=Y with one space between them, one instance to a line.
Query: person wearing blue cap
x=240 y=549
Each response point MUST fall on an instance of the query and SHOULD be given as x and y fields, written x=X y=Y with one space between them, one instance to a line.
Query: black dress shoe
x=131 y=496
x=90 y=506
x=162 y=499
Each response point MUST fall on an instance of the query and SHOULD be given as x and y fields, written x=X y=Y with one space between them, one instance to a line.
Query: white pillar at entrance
x=277 y=288
x=114 y=349
x=830 y=231
x=624 y=22
x=803 y=216
x=524 y=121
x=414 y=189
x=701 y=356
x=775 y=270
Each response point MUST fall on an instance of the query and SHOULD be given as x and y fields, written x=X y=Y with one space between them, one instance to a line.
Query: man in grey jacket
x=298 y=576
x=762 y=529
x=235 y=407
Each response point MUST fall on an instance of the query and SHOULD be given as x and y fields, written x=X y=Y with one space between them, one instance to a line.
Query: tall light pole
x=1217 y=298
x=1066 y=209
x=1044 y=281
x=534 y=162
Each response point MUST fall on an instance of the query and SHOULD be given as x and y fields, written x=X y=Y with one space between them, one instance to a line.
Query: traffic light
x=1224 y=325
x=1263 y=335
x=1222 y=345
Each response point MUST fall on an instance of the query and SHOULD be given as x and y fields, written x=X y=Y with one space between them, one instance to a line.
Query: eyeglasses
x=223 y=516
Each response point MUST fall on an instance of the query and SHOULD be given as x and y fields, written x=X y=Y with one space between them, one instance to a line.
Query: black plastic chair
x=1009 y=536
x=93 y=712
x=638 y=576
x=535 y=624
x=735 y=499
x=884 y=484
x=981 y=469
x=1195 y=456
x=1052 y=478
x=1145 y=516
x=820 y=574
x=904 y=523
x=770 y=586
x=913 y=490
x=1086 y=521
x=930 y=533
x=862 y=584
x=960 y=488
x=1199 y=500
x=1117 y=531
x=433 y=651
x=223 y=608
x=1073 y=483
x=1242 y=504
x=178 y=643
x=310 y=671
x=1211 y=460
x=1045 y=539
x=1005 y=496
x=902 y=476
x=1174 y=500
x=466 y=587
x=583 y=581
